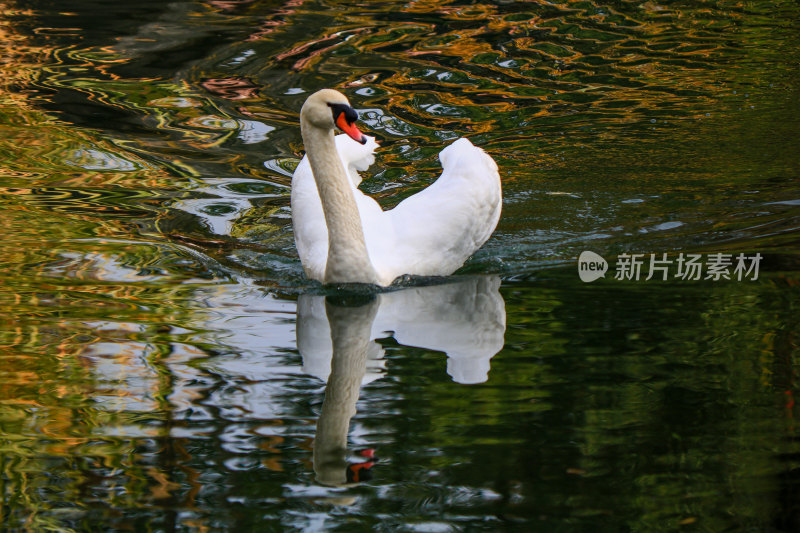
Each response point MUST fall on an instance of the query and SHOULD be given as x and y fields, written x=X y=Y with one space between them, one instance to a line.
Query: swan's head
x=327 y=109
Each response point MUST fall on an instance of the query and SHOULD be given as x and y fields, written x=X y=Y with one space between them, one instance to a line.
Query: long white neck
x=348 y=259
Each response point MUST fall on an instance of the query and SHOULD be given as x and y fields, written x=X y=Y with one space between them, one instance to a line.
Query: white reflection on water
x=336 y=337
x=465 y=318
x=218 y=214
x=253 y=131
x=94 y=159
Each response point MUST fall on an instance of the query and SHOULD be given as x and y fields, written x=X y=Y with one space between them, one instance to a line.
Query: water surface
x=166 y=366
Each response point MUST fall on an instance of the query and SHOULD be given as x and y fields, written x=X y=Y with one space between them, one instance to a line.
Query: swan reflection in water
x=336 y=337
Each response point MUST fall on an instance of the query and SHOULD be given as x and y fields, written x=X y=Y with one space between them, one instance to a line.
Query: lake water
x=165 y=365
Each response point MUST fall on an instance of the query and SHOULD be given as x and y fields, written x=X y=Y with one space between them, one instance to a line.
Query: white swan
x=344 y=236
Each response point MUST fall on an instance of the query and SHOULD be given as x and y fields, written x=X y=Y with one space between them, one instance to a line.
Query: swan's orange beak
x=350 y=129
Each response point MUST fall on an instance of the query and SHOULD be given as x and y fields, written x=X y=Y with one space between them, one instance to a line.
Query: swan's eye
x=350 y=114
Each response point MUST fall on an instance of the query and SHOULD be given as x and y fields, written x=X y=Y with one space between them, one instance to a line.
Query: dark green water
x=165 y=366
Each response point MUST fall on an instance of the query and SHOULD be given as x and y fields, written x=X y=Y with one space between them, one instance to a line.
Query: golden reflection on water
x=567 y=46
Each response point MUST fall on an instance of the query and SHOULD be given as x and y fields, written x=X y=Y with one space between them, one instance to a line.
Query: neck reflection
x=336 y=338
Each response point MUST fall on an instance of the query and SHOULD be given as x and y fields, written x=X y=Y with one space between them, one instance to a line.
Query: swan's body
x=342 y=235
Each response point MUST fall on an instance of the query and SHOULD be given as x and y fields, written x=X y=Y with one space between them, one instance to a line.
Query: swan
x=343 y=235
